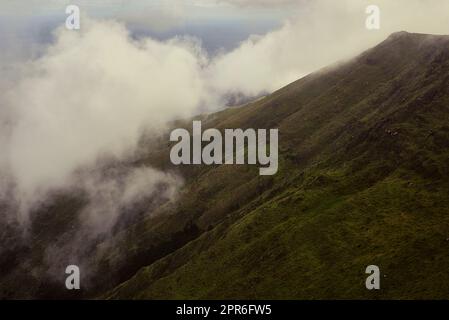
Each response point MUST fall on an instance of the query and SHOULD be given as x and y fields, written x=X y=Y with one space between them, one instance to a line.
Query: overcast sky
x=219 y=24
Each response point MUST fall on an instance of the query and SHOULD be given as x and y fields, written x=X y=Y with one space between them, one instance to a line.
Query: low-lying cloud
x=109 y=196
x=91 y=95
x=119 y=191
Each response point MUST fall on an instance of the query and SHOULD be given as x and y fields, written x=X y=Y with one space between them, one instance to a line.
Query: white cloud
x=91 y=95
x=323 y=32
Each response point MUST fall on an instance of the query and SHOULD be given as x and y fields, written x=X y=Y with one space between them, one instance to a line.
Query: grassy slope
x=363 y=180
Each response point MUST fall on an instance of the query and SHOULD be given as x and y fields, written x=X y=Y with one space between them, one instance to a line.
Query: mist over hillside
x=87 y=178
x=363 y=161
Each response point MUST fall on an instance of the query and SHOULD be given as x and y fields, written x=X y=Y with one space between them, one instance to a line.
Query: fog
x=91 y=95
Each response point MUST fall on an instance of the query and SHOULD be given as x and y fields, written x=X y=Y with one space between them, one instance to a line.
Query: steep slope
x=362 y=180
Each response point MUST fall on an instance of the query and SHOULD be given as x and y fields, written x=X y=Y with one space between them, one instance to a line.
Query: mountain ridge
x=360 y=164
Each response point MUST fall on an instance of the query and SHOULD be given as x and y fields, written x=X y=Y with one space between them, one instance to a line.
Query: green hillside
x=362 y=180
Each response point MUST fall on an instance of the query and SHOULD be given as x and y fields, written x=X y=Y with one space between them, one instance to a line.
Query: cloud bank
x=91 y=95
